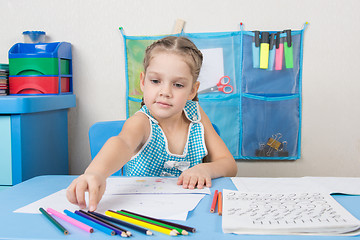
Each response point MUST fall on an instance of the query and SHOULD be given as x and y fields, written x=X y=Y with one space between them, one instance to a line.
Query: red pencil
x=213 y=205
x=220 y=203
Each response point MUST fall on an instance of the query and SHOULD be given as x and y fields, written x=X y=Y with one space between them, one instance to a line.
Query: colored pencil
x=187 y=228
x=155 y=221
x=90 y=223
x=71 y=220
x=91 y=218
x=107 y=222
x=178 y=230
x=126 y=224
x=220 y=203
x=213 y=204
x=53 y=221
x=140 y=223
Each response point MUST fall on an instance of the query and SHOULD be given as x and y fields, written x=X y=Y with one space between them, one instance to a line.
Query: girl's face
x=167 y=85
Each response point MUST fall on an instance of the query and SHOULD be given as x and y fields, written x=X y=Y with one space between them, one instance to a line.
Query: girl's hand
x=197 y=176
x=88 y=182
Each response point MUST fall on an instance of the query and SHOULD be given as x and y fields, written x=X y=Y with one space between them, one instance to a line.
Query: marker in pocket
x=288 y=50
x=256 y=50
x=279 y=52
x=264 y=50
x=271 y=52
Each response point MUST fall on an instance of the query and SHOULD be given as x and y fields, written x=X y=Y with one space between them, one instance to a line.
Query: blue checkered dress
x=149 y=161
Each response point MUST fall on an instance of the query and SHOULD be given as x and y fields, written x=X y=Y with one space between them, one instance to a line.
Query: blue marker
x=256 y=50
x=272 y=52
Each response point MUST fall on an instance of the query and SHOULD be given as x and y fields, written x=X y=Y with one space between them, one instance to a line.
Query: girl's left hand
x=197 y=176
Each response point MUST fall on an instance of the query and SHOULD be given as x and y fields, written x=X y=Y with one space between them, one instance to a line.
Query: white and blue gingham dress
x=150 y=160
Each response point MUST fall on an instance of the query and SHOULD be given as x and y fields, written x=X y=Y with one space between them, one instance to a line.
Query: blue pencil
x=90 y=223
x=129 y=225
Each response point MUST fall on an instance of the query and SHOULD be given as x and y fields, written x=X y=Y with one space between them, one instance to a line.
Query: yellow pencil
x=141 y=223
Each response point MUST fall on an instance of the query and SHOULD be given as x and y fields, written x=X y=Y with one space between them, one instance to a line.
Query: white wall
x=331 y=82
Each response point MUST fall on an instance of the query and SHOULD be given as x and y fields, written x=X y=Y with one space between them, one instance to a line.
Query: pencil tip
x=149 y=233
x=184 y=232
x=128 y=233
x=172 y=233
x=123 y=234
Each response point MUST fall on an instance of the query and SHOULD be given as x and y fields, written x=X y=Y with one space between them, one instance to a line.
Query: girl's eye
x=178 y=85
x=155 y=81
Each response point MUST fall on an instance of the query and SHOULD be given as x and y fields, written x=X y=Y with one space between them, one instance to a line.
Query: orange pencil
x=220 y=204
x=213 y=205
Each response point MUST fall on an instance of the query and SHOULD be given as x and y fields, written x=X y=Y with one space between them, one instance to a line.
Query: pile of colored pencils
x=113 y=222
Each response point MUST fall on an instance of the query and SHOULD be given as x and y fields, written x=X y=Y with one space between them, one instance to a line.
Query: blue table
x=35 y=226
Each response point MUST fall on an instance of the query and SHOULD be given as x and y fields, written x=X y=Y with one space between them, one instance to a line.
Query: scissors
x=222 y=86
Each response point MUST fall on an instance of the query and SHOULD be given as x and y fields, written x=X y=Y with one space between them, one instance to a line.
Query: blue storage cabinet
x=33 y=136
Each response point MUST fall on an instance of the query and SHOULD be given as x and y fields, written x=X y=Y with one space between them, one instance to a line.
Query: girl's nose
x=165 y=90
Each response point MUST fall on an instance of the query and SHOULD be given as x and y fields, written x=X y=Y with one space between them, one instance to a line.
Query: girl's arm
x=218 y=163
x=115 y=153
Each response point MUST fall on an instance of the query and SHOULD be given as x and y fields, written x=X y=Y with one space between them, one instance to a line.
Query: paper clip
x=274 y=143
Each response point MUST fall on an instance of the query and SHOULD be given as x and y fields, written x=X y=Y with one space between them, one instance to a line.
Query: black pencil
x=53 y=221
x=127 y=233
x=129 y=225
x=187 y=228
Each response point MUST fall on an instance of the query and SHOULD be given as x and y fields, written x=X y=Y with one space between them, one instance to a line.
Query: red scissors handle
x=226 y=89
x=223 y=85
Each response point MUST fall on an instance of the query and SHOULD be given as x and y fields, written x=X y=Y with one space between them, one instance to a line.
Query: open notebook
x=300 y=213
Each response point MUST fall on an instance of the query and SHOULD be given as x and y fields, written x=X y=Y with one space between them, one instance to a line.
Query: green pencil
x=179 y=230
x=51 y=219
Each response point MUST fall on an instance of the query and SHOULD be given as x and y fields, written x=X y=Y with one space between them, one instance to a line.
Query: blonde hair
x=177 y=45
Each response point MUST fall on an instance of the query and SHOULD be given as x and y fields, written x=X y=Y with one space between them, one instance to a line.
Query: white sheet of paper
x=343 y=185
x=315 y=184
x=164 y=206
x=285 y=213
x=137 y=185
x=212 y=68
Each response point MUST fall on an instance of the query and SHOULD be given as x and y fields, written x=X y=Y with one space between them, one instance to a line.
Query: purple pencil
x=85 y=215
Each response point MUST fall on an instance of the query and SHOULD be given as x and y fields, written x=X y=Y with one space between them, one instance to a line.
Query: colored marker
x=220 y=203
x=53 y=221
x=145 y=219
x=272 y=52
x=71 y=220
x=141 y=223
x=288 y=50
x=187 y=228
x=213 y=204
x=90 y=223
x=264 y=50
x=256 y=50
x=117 y=221
x=279 y=52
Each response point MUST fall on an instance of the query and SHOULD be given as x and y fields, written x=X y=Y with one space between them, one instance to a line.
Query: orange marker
x=220 y=204
x=213 y=205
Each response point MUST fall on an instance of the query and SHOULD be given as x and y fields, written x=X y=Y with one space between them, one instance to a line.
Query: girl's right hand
x=95 y=184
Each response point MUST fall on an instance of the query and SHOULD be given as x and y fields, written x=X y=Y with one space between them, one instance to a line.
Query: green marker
x=288 y=50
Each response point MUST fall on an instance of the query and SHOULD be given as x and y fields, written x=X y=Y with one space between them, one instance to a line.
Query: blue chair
x=100 y=132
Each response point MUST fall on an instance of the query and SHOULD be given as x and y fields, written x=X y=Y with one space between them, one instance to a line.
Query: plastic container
x=39 y=66
x=34 y=36
x=38 y=85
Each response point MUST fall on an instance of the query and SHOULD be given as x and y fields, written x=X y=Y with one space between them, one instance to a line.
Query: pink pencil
x=71 y=220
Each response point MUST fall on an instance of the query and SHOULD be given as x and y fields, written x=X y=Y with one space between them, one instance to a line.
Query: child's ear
x=194 y=90
x=142 y=81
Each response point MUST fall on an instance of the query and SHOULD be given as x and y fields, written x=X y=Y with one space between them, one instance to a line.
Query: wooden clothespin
x=179 y=26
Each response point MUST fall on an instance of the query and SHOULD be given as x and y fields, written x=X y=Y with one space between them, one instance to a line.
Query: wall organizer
x=260 y=117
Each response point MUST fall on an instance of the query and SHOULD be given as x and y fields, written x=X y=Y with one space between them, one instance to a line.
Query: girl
x=169 y=136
